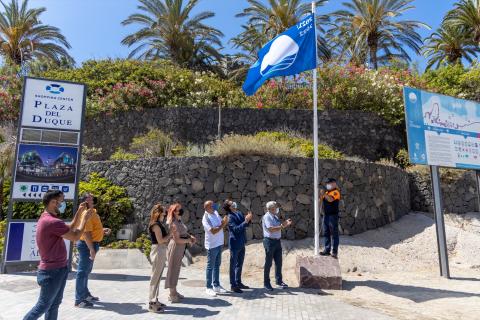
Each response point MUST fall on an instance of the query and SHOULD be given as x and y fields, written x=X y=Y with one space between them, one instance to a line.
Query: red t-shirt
x=53 y=253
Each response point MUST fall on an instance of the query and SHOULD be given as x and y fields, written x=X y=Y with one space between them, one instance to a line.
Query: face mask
x=215 y=207
x=234 y=205
x=62 y=207
x=277 y=211
x=329 y=187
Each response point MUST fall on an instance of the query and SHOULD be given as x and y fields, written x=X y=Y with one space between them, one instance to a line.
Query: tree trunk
x=1 y=199
x=373 y=56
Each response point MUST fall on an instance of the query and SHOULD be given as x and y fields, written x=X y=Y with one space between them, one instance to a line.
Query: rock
x=261 y=188
x=287 y=180
x=317 y=272
x=218 y=185
x=304 y=199
x=273 y=169
x=197 y=186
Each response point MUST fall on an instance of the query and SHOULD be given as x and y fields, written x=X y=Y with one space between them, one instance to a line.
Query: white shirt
x=210 y=221
x=270 y=220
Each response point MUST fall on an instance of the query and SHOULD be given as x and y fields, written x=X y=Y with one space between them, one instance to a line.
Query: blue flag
x=290 y=53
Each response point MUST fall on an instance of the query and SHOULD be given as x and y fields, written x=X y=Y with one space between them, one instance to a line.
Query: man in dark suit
x=237 y=224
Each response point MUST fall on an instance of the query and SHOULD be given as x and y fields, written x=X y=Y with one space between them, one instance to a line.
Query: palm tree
x=24 y=38
x=265 y=22
x=168 y=31
x=375 y=24
x=449 y=45
x=466 y=14
x=7 y=151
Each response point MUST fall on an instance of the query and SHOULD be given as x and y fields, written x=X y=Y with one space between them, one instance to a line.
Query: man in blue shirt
x=237 y=224
x=272 y=232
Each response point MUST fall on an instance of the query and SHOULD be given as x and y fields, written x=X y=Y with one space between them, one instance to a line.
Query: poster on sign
x=40 y=168
x=52 y=104
x=22 y=243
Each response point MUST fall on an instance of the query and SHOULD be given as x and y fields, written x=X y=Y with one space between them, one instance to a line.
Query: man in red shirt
x=52 y=270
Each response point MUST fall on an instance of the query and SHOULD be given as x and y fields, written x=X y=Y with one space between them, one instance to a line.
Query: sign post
x=47 y=156
x=442 y=131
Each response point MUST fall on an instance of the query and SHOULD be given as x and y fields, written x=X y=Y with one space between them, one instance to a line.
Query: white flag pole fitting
x=315 y=142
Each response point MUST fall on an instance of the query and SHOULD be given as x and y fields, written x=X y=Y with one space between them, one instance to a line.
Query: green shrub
x=91 y=153
x=143 y=243
x=445 y=80
x=3 y=229
x=113 y=206
x=402 y=159
x=154 y=144
x=121 y=154
x=237 y=145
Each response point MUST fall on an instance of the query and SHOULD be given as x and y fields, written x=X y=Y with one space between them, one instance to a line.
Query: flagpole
x=315 y=143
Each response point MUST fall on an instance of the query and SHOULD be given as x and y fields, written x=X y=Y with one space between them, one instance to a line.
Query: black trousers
x=273 y=252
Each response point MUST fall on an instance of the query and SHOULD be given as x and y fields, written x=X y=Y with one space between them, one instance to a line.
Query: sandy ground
x=394 y=269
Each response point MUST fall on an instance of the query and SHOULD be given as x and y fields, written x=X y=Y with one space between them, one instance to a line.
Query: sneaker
x=268 y=287
x=154 y=307
x=282 y=285
x=84 y=304
x=91 y=298
x=237 y=290
x=324 y=253
x=210 y=292
x=219 y=289
x=242 y=286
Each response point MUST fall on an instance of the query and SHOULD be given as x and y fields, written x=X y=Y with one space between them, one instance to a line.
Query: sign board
x=22 y=245
x=52 y=104
x=442 y=130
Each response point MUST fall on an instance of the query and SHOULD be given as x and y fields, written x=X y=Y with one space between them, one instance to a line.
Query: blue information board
x=442 y=130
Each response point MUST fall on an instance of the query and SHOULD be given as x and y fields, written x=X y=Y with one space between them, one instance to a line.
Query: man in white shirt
x=214 y=239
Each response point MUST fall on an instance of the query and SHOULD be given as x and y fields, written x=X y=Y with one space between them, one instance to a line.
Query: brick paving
x=124 y=293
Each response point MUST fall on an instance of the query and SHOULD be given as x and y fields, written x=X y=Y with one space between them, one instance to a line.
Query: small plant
x=155 y=143
x=402 y=159
x=90 y=153
x=3 y=229
x=143 y=243
x=121 y=154
x=237 y=145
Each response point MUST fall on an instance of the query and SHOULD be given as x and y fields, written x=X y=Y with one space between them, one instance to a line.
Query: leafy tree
x=376 y=25
x=449 y=45
x=466 y=14
x=24 y=38
x=168 y=31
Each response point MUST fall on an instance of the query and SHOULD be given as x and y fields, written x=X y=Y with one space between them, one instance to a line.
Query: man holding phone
x=272 y=232
x=88 y=246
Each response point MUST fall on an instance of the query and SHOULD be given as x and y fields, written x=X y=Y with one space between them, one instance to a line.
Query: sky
x=93 y=27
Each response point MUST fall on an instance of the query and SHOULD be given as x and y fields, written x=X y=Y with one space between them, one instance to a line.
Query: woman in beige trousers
x=176 y=249
x=158 y=255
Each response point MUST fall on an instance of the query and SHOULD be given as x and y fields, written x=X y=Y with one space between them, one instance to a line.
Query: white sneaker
x=210 y=292
x=219 y=289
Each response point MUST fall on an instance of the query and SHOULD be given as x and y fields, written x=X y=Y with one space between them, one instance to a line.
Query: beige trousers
x=158 y=257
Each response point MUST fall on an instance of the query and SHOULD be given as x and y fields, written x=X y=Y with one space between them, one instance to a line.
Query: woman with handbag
x=176 y=249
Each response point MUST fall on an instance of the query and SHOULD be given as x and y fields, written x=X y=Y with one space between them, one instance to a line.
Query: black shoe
x=236 y=290
x=268 y=287
x=282 y=285
x=91 y=298
x=335 y=255
x=84 y=304
x=324 y=253
x=242 y=286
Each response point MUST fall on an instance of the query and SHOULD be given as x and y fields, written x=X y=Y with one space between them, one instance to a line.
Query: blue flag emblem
x=290 y=53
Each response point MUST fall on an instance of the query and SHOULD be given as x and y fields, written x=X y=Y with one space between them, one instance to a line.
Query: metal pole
x=477 y=175
x=219 y=122
x=315 y=145
x=439 y=223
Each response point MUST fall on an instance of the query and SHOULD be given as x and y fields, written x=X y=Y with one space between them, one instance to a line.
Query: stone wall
x=373 y=195
x=354 y=133
x=459 y=192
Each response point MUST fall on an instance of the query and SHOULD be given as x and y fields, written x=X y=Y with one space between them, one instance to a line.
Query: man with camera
x=272 y=232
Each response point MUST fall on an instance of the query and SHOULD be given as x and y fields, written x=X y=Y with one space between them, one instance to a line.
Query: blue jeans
x=214 y=259
x=330 y=229
x=52 y=283
x=85 y=265
x=273 y=252
x=236 y=264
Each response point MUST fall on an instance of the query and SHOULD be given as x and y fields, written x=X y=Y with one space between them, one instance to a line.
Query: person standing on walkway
x=158 y=255
x=87 y=247
x=272 y=233
x=214 y=239
x=237 y=225
x=331 y=200
x=53 y=268
x=176 y=249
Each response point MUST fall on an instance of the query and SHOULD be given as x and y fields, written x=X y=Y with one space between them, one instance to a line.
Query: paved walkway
x=124 y=293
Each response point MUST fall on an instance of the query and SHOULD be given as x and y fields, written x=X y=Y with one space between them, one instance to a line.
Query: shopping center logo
x=55 y=88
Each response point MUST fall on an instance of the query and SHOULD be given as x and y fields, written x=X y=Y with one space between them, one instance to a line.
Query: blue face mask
x=215 y=207
x=62 y=207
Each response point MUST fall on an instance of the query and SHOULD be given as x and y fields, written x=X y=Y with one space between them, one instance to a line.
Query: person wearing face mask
x=237 y=224
x=87 y=247
x=213 y=225
x=272 y=232
x=330 y=200
x=158 y=255
x=176 y=250
x=53 y=268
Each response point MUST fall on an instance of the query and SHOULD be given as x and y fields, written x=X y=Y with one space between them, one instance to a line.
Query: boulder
x=318 y=272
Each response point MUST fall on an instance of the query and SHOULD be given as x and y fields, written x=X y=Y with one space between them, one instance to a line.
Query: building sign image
x=51 y=104
x=442 y=130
